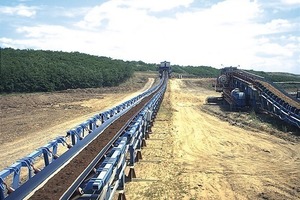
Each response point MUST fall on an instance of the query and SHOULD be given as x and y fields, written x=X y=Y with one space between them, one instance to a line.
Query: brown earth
x=190 y=155
x=65 y=177
x=194 y=155
x=29 y=121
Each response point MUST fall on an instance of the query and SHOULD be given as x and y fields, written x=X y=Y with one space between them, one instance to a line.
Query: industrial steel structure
x=241 y=89
x=165 y=67
x=97 y=152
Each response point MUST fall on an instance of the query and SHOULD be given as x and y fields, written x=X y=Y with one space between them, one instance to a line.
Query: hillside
x=45 y=71
x=38 y=70
x=277 y=76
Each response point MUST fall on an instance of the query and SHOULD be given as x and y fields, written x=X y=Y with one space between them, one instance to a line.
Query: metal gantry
x=243 y=89
x=110 y=175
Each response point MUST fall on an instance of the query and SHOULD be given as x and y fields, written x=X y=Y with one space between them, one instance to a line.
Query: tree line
x=277 y=76
x=43 y=71
x=199 y=71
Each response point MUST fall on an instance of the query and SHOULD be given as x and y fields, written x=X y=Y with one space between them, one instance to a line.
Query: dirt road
x=194 y=155
x=190 y=155
x=29 y=121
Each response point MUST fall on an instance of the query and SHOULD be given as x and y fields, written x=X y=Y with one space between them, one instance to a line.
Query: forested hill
x=199 y=71
x=43 y=71
x=38 y=70
x=277 y=76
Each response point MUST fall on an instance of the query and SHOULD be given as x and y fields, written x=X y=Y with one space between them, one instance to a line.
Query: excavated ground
x=195 y=155
x=192 y=154
x=29 y=121
x=61 y=181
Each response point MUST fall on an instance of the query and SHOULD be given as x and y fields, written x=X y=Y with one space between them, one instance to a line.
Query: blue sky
x=255 y=34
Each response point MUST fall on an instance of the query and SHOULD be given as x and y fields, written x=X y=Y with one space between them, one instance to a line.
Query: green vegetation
x=277 y=76
x=200 y=71
x=142 y=66
x=43 y=71
x=36 y=71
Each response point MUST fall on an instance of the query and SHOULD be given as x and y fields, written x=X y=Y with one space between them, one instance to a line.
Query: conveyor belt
x=270 y=98
x=59 y=184
x=281 y=95
x=60 y=181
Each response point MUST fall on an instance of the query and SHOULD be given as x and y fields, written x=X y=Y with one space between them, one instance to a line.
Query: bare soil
x=193 y=154
x=61 y=181
x=29 y=121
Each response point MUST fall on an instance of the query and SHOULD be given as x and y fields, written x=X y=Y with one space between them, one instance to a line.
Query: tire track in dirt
x=23 y=144
x=206 y=158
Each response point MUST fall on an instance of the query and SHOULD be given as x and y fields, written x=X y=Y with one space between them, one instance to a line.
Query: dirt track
x=62 y=180
x=193 y=155
x=29 y=121
x=190 y=155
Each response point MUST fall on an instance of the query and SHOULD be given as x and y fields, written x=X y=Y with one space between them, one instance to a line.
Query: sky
x=261 y=35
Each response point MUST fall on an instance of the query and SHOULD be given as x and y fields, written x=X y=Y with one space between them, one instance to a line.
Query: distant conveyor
x=97 y=152
x=243 y=89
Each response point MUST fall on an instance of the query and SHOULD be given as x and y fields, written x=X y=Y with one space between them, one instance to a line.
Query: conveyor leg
x=150 y=129
x=147 y=135
x=138 y=156
x=131 y=174
x=121 y=196
x=144 y=142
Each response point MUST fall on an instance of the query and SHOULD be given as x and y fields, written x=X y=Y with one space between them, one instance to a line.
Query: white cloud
x=156 y=5
x=291 y=2
x=56 y=38
x=273 y=49
x=279 y=25
x=225 y=33
x=203 y=31
x=59 y=11
x=21 y=10
x=130 y=11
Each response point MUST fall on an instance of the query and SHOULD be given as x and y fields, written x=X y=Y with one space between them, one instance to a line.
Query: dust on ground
x=29 y=121
x=190 y=155
x=194 y=155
